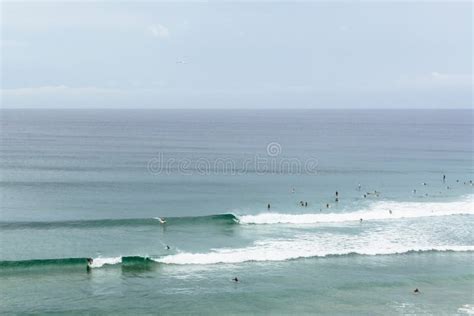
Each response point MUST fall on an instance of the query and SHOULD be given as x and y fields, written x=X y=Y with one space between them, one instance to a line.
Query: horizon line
x=230 y=109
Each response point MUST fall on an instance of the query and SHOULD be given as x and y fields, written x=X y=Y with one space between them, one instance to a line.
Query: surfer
x=337 y=200
x=305 y=204
x=268 y=206
x=327 y=205
x=235 y=279
x=337 y=194
x=416 y=291
x=361 y=220
x=89 y=263
x=414 y=191
x=162 y=220
x=390 y=211
x=444 y=178
x=168 y=247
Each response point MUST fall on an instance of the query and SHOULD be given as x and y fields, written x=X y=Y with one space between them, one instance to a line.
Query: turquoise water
x=90 y=183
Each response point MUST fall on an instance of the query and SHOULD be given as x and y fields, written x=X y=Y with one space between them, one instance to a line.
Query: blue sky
x=237 y=54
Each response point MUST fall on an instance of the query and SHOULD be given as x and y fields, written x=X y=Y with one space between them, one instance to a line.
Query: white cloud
x=343 y=28
x=40 y=16
x=13 y=44
x=437 y=79
x=158 y=30
x=451 y=79
x=58 y=90
x=60 y=96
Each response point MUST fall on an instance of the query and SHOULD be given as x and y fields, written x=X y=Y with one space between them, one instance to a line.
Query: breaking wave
x=383 y=210
x=215 y=257
x=286 y=250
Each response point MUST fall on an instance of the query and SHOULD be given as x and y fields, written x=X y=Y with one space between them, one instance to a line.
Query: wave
x=215 y=257
x=258 y=254
x=96 y=263
x=138 y=222
x=383 y=210
x=375 y=211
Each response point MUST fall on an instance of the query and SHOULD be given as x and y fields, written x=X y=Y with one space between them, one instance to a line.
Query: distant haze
x=236 y=55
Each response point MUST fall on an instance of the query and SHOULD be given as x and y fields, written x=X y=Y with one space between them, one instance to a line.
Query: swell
x=102 y=223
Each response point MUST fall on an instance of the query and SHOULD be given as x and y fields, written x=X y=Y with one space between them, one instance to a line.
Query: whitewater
x=411 y=227
x=380 y=210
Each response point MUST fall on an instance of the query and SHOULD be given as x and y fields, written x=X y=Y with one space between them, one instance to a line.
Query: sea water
x=79 y=184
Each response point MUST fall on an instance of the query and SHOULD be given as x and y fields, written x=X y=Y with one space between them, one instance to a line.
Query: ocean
x=171 y=205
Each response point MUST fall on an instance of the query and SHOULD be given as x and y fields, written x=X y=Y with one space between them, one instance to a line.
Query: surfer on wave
x=162 y=220
x=90 y=261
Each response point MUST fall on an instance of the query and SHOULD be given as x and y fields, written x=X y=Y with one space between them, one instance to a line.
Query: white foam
x=306 y=246
x=376 y=211
x=99 y=262
x=396 y=238
x=467 y=309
